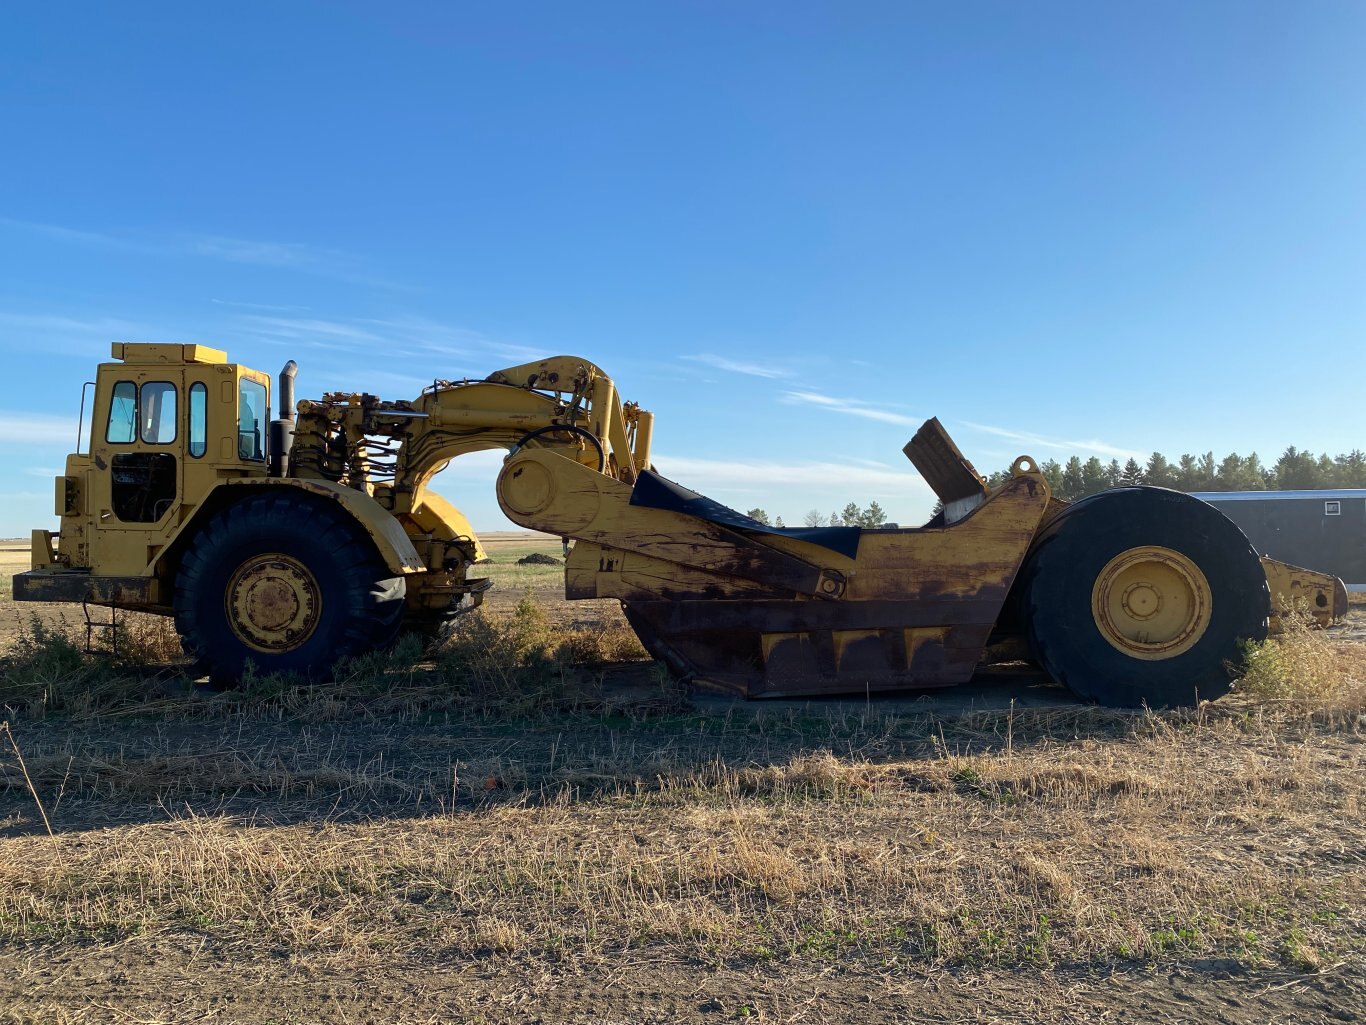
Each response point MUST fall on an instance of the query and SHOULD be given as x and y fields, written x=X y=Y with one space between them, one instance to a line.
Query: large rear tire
x=1143 y=596
x=287 y=582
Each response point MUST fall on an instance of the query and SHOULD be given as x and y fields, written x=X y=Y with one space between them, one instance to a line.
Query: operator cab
x=166 y=411
x=168 y=422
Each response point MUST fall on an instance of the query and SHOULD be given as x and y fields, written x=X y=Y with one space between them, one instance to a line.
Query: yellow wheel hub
x=1151 y=602
x=273 y=603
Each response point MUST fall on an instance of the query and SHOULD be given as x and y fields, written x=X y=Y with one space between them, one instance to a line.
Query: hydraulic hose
x=567 y=429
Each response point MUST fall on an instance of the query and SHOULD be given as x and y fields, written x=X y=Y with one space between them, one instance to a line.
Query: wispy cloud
x=850 y=407
x=1071 y=447
x=295 y=256
x=729 y=475
x=264 y=254
x=424 y=334
x=309 y=329
x=735 y=366
x=105 y=327
x=75 y=236
x=270 y=307
x=37 y=429
x=446 y=350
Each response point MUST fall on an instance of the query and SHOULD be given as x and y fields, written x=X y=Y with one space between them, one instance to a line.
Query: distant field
x=503 y=554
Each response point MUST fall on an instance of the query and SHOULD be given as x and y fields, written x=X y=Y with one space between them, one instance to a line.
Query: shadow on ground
x=348 y=761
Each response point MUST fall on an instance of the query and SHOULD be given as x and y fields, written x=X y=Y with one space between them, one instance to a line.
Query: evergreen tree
x=851 y=517
x=760 y=515
x=1093 y=477
x=1052 y=472
x=1073 y=479
x=873 y=516
x=1114 y=474
x=1296 y=470
x=1187 y=473
x=1352 y=469
x=1159 y=472
x=779 y=523
x=1328 y=473
x=1132 y=473
x=1258 y=476
x=1231 y=473
x=836 y=519
x=1208 y=473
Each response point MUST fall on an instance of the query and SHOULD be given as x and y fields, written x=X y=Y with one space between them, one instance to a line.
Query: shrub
x=522 y=663
x=47 y=669
x=1302 y=661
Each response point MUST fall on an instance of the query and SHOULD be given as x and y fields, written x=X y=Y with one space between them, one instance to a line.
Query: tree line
x=1295 y=470
x=852 y=516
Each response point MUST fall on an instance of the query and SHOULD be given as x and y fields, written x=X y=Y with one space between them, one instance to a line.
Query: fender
x=387 y=534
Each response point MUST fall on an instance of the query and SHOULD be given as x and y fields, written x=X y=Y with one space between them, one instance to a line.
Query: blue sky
x=793 y=230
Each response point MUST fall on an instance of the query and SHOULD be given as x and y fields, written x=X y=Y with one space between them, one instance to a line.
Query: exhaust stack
x=282 y=429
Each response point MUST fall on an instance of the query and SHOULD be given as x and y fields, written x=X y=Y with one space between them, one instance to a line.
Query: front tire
x=1143 y=596
x=286 y=582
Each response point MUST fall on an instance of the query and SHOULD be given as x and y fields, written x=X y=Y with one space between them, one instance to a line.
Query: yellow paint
x=274 y=603
x=1151 y=603
x=92 y=534
x=40 y=548
x=1319 y=595
x=145 y=352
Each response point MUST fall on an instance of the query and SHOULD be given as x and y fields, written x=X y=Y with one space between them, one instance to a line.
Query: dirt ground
x=148 y=982
x=300 y=861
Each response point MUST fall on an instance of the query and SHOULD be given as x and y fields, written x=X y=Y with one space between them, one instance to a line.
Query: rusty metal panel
x=943 y=466
x=76 y=586
x=917 y=610
x=597 y=571
x=1322 y=595
x=769 y=648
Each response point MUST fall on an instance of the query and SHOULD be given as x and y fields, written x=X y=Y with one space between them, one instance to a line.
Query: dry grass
x=1304 y=662
x=521 y=664
x=1190 y=841
x=497 y=800
x=144 y=640
x=509 y=664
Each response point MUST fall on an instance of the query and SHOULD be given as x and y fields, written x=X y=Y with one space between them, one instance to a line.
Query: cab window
x=251 y=420
x=123 y=414
x=199 y=427
x=158 y=413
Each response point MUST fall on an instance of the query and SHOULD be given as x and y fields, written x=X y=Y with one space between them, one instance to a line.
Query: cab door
x=137 y=446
